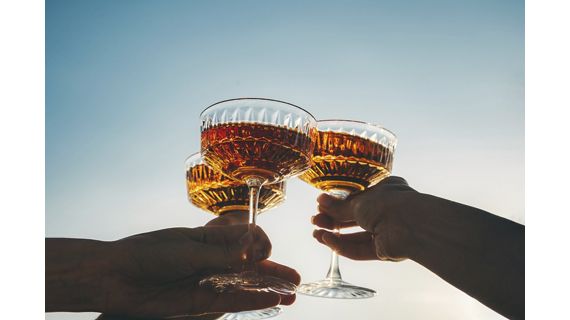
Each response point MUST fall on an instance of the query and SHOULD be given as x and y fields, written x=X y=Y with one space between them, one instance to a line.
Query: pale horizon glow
x=126 y=82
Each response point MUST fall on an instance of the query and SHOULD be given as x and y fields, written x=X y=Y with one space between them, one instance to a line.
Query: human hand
x=156 y=274
x=383 y=211
x=241 y=217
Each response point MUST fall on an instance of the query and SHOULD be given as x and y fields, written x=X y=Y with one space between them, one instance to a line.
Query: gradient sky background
x=126 y=81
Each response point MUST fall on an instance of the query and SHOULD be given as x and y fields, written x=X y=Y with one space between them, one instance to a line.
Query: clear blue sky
x=126 y=81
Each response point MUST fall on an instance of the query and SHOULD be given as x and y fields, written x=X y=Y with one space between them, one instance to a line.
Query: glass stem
x=333 y=275
x=254 y=189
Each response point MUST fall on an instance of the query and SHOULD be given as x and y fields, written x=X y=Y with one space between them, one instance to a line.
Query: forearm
x=475 y=251
x=75 y=275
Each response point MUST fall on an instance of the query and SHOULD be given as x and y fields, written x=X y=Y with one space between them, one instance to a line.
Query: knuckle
x=396 y=180
x=382 y=245
x=381 y=251
x=386 y=249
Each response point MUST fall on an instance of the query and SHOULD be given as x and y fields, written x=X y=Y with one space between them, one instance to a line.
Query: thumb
x=223 y=255
x=227 y=254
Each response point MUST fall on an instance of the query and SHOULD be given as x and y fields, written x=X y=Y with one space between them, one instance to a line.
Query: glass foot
x=253 y=315
x=335 y=289
x=249 y=281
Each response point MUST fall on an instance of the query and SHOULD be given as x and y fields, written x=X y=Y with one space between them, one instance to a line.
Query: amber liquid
x=268 y=153
x=213 y=192
x=345 y=162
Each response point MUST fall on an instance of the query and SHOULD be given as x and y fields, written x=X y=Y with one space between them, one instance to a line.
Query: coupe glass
x=215 y=193
x=256 y=141
x=349 y=156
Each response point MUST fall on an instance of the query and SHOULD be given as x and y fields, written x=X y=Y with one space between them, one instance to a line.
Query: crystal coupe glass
x=349 y=156
x=258 y=142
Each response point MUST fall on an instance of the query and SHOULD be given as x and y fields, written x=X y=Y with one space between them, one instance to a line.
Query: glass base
x=336 y=289
x=253 y=315
x=249 y=281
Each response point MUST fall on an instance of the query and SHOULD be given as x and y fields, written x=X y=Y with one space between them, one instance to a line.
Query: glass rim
x=191 y=158
x=378 y=126
x=256 y=98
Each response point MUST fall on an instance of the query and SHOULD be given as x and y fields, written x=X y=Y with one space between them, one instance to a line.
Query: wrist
x=76 y=275
x=421 y=218
x=409 y=217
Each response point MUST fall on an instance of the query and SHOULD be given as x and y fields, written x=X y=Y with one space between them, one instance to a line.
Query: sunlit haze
x=126 y=81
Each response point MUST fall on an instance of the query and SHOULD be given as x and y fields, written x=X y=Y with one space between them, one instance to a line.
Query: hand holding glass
x=349 y=156
x=257 y=142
